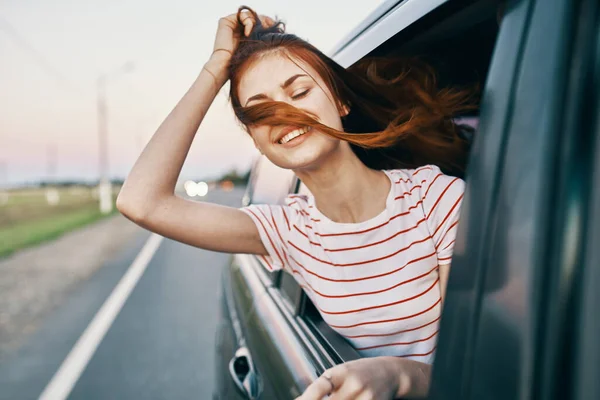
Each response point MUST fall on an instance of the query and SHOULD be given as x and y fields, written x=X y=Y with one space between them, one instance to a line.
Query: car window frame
x=380 y=26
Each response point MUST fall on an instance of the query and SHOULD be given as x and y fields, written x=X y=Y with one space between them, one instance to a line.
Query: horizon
x=54 y=53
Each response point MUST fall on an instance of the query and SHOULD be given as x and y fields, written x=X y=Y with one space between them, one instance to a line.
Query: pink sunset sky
x=52 y=53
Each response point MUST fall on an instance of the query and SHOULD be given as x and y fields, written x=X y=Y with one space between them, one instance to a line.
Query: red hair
x=398 y=116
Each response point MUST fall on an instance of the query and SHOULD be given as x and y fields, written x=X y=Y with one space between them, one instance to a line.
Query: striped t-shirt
x=375 y=282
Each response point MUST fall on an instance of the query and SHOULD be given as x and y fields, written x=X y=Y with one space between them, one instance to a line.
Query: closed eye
x=300 y=95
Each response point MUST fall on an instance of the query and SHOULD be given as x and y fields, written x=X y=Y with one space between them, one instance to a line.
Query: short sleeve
x=442 y=198
x=272 y=222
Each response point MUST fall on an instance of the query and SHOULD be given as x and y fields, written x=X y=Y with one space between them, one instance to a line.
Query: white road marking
x=66 y=377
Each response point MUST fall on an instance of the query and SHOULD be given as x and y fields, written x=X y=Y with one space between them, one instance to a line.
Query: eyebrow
x=285 y=84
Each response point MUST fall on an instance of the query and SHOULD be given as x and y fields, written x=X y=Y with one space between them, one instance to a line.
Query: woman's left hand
x=363 y=379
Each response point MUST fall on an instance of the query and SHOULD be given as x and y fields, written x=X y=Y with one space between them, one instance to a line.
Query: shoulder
x=297 y=202
x=293 y=210
x=428 y=186
x=417 y=176
x=302 y=205
x=425 y=178
x=413 y=177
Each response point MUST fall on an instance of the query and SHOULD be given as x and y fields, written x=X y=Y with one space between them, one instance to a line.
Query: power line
x=38 y=57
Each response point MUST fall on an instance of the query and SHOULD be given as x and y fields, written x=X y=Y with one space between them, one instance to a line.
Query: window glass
x=271 y=184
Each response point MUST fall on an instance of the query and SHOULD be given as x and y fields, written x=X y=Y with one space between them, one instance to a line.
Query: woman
x=371 y=246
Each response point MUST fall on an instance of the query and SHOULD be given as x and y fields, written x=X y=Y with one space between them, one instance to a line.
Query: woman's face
x=275 y=77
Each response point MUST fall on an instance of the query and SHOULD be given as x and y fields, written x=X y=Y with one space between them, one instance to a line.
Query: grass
x=27 y=219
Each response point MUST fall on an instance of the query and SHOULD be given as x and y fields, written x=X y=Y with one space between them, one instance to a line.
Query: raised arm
x=148 y=194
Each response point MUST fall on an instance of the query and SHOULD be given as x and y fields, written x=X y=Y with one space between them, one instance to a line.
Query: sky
x=52 y=53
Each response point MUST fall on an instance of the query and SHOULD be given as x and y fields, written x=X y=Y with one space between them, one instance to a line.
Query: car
x=519 y=319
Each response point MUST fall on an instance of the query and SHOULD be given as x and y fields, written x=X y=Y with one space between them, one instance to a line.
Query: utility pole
x=51 y=161
x=104 y=185
x=3 y=174
x=52 y=193
x=3 y=183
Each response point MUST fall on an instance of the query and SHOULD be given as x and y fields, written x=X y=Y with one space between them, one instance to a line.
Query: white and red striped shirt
x=375 y=282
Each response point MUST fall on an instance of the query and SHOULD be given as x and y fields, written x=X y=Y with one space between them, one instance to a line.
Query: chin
x=306 y=156
x=308 y=161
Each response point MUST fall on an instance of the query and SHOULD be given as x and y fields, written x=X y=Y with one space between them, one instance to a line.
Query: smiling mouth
x=294 y=134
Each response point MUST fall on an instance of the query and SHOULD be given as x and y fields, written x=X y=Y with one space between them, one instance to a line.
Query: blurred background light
x=202 y=189
x=193 y=189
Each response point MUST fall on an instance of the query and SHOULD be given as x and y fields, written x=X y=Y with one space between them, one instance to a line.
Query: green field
x=27 y=218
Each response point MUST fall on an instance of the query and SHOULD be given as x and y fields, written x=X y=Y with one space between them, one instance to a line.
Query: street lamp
x=104 y=186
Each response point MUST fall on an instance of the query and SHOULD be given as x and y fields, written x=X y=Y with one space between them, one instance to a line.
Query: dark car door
x=514 y=293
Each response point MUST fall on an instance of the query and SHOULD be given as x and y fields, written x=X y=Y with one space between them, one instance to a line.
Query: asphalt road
x=159 y=346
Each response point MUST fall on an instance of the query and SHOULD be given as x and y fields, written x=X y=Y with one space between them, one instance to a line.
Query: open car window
x=459 y=46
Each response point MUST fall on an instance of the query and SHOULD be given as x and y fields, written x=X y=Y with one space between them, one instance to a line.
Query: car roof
x=384 y=22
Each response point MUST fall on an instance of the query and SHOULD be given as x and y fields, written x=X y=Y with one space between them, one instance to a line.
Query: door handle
x=243 y=373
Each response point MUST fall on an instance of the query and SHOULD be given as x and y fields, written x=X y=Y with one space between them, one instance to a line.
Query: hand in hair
x=230 y=31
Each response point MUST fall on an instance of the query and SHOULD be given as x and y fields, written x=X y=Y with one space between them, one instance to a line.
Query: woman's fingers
x=317 y=390
x=228 y=31
x=324 y=385
x=248 y=21
x=267 y=21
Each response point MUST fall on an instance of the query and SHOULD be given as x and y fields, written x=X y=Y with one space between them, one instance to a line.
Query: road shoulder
x=36 y=280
